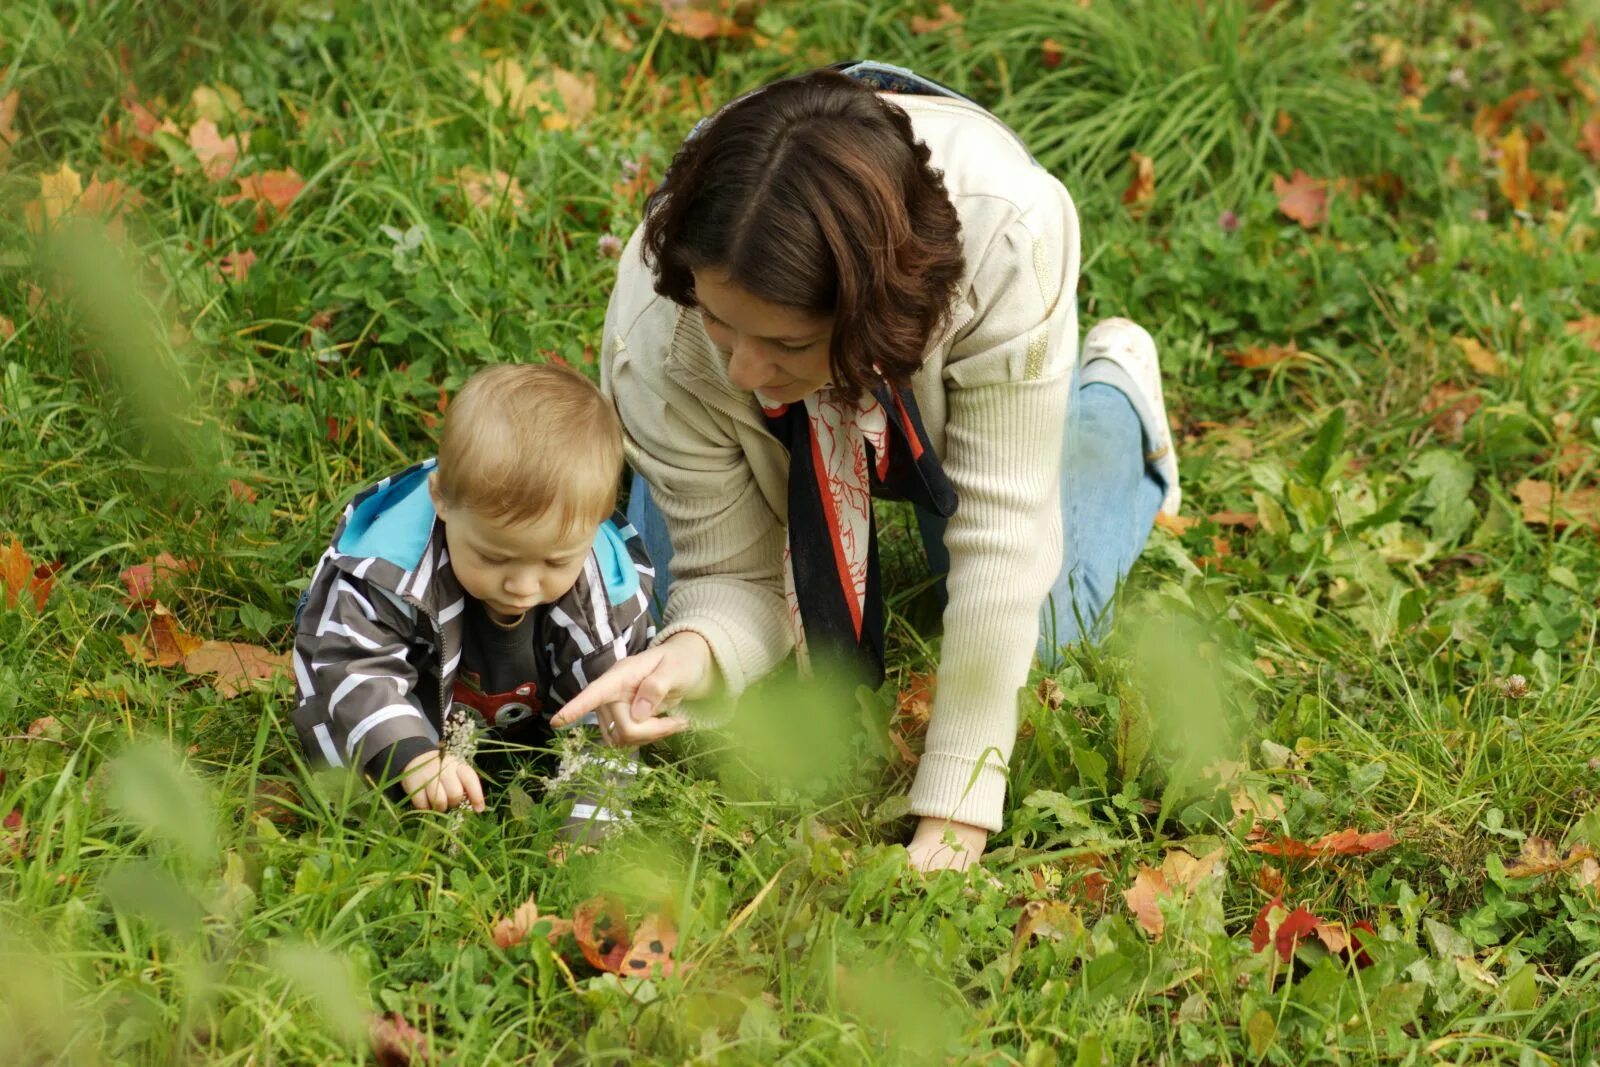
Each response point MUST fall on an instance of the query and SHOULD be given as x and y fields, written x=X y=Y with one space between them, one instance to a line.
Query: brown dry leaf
x=600 y=927
x=237 y=265
x=946 y=17
x=1044 y=920
x=1177 y=876
x=1271 y=880
x=59 y=190
x=1051 y=53
x=1540 y=856
x=1489 y=121
x=913 y=705
x=8 y=124
x=141 y=579
x=654 y=941
x=1177 y=525
x=1258 y=357
x=233 y=665
x=1348 y=842
x=510 y=932
x=1269 y=807
x=1589 y=874
x=274 y=188
x=700 y=24
x=1516 y=180
x=162 y=644
x=1478 y=357
x=492 y=190
x=1282 y=123
x=395 y=1042
x=274 y=800
x=1141 y=190
x=1302 y=198
x=1451 y=406
x=8 y=329
x=1247 y=520
x=1588 y=139
x=14 y=834
x=577 y=95
x=218 y=155
x=21 y=578
x=1541 y=506
x=242 y=492
x=1334 y=937
x=1587 y=327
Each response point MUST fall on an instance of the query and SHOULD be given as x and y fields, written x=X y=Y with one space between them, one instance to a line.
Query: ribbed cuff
x=955 y=787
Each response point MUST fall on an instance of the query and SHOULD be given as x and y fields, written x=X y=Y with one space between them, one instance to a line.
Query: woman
x=853 y=283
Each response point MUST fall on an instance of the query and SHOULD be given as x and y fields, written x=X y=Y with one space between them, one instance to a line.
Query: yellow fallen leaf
x=58 y=191
x=1478 y=357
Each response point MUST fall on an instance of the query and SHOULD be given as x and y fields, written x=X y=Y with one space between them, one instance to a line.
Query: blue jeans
x=1109 y=499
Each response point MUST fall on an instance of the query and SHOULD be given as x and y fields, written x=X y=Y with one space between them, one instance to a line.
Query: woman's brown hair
x=813 y=192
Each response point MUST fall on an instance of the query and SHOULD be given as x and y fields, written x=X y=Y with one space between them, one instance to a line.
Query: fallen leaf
x=1141 y=190
x=242 y=492
x=237 y=265
x=395 y=1042
x=1247 y=520
x=1478 y=357
x=1177 y=876
x=14 y=834
x=1489 y=121
x=510 y=932
x=1270 y=879
x=141 y=579
x=700 y=24
x=1588 y=139
x=1177 y=525
x=600 y=927
x=1589 y=874
x=219 y=103
x=484 y=191
x=1280 y=928
x=913 y=704
x=1516 y=180
x=1540 y=856
x=218 y=155
x=233 y=665
x=274 y=800
x=944 y=18
x=8 y=124
x=20 y=577
x=1248 y=805
x=1349 y=842
x=1043 y=920
x=1587 y=328
x=162 y=644
x=59 y=190
x=1302 y=198
x=653 y=944
x=506 y=84
x=1451 y=406
x=1542 y=507
x=1257 y=357
x=276 y=189
x=1051 y=53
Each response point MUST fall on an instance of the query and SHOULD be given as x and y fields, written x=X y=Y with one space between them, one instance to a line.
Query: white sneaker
x=1128 y=347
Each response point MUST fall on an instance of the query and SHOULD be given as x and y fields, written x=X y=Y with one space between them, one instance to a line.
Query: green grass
x=1353 y=649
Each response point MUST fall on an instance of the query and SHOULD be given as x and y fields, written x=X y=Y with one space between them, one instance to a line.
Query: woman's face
x=778 y=352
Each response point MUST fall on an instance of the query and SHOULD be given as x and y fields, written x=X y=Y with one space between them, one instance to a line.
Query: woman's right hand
x=638 y=691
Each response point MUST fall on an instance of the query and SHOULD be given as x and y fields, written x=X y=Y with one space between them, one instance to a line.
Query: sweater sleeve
x=1008 y=380
x=727 y=562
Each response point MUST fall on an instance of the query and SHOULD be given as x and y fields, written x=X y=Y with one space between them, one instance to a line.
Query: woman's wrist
x=699 y=664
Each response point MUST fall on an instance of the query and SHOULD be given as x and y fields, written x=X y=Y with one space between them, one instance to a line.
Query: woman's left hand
x=930 y=851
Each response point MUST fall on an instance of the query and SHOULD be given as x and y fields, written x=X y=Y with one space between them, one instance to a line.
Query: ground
x=1354 y=684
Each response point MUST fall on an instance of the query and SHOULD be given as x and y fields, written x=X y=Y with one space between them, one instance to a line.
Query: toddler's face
x=511 y=567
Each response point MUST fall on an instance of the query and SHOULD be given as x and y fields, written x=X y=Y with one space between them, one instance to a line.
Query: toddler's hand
x=439 y=781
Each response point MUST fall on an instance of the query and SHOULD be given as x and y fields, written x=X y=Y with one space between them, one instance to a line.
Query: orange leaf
x=237 y=265
x=600 y=926
x=1302 y=198
x=1540 y=857
x=1489 y=121
x=1248 y=520
x=1257 y=357
x=946 y=17
x=233 y=665
x=653 y=945
x=218 y=155
x=698 y=24
x=1177 y=525
x=21 y=577
x=140 y=580
x=1478 y=357
x=1141 y=190
x=1516 y=181
x=8 y=123
x=1587 y=330
x=162 y=644
x=1589 y=139
x=1349 y=842
x=242 y=492
x=275 y=189
x=1541 y=506
x=913 y=705
x=1178 y=876
x=1050 y=54
x=508 y=933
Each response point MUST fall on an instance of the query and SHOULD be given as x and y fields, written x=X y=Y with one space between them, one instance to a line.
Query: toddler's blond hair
x=522 y=439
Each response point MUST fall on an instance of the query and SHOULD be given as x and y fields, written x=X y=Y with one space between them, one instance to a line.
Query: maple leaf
x=653 y=944
x=1141 y=190
x=1478 y=357
x=140 y=580
x=1178 y=876
x=236 y=265
x=163 y=643
x=1587 y=330
x=1489 y=121
x=242 y=492
x=510 y=932
x=395 y=1042
x=913 y=704
x=1258 y=357
x=274 y=188
x=600 y=927
x=945 y=18
x=577 y=95
x=59 y=190
x=701 y=24
x=1041 y=920
x=1542 y=507
x=1302 y=198
x=1177 y=525
x=1281 y=929
x=20 y=577
x=233 y=665
x=494 y=189
x=1540 y=856
x=1348 y=842
x=1247 y=520
x=218 y=155
x=8 y=124
x=1451 y=406
x=1516 y=180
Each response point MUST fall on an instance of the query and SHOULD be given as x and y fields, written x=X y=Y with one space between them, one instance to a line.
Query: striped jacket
x=378 y=633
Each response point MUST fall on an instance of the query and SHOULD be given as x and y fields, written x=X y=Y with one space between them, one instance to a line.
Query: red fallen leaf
x=1302 y=198
x=162 y=644
x=275 y=189
x=395 y=1042
x=1540 y=856
x=913 y=705
x=20 y=576
x=1141 y=190
x=600 y=926
x=1349 y=842
x=1286 y=934
x=1541 y=506
x=946 y=17
x=236 y=265
x=1257 y=357
x=1050 y=54
x=653 y=944
x=1091 y=887
x=511 y=932
x=140 y=580
x=241 y=491
x=233 y=665
x=1248 y=520
x=14 y=834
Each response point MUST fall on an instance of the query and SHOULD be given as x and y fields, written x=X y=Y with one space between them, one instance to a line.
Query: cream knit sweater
x=993 y=394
